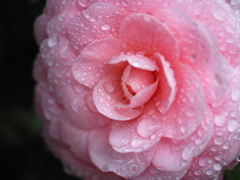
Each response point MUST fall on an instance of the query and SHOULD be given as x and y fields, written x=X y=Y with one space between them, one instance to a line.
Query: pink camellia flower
x=140 y=89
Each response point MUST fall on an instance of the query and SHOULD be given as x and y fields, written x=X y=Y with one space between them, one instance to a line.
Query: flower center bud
x=138 y=80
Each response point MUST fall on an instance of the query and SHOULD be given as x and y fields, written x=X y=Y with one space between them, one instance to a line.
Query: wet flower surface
x=145 y=89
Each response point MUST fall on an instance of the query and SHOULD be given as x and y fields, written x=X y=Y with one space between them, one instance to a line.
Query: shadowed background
x=23 y=154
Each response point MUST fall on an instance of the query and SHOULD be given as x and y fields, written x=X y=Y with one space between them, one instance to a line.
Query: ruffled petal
x=136 y=60
x=126 y=165
x=40 y=27
x=107 y=94
x=199 y=50
x=90 y=66
x=166 y=91
x=142 y=32
x=153 y=173
x=139 y=135
x=98 y=21
x=77 y=139
x=175 y=155
x=188 y=108
x=58 y=25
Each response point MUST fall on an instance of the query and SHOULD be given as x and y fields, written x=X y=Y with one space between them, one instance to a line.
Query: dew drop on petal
x=105 y=27
x=219 y=120
x=134 y=168
x=109 y=88
x=191 y=112
x=235 y=94
x=217 y=166
x=232 y=125
x=146 y=128
x=209 y=172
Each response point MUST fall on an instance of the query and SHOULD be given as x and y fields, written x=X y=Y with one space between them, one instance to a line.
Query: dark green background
x=23 y=155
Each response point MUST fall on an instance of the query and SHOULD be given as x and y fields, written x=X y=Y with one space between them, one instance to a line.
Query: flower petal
x=98 y=21
x=153 y=173
x=199 y=50
x=142 y=32
x=136 y=60
x=187 y=110
x=90 y=66
x=107 y=94
x=139 y=135
x=166 y=92
x=175 y=155
x=127 y=165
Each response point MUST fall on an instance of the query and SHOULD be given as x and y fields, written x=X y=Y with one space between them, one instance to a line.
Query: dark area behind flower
x=23 y=154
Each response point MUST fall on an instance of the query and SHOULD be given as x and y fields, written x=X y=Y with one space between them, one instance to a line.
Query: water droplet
x=136 y=143
x=135 y=64
x=197 y=172
x=219 y=120
x=191 y=112
x=235 y=94
x=226 y=145
x=134 y=168
x=105 y=27
x=219 y=14
x=184 y=128
x=202 y=162
x=187 y=154
x=209 y=172
x=109 y=88
x=82 y=3
x=218 y=140
x=217 y=166
x=147 y=127
x=52 y=42
x=232 y=125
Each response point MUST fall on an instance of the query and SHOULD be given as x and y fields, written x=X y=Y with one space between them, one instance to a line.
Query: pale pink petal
x=138 y=86
x=142 y=32
x=55 y=7
x=223 y=21
x=107 y=94
x=59 y=24
x=91 y=65
x=175 y=155
x=40 y=26
x=166 y=91
x=136 y=60
x=80 y=109
x=144 y=95
x=126 y=165
x=224 y=144
x=153 y=173
x=75 y=99
x=77 y=139
x=204 y=168
x=187 y=110
x=40 y=69
x=199 y=50
x=139 y=135
x=98 y=21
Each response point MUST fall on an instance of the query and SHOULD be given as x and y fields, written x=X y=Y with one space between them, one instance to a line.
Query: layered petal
x=106 y=100
x=139 y=135
x=176 y=155
x=199 y=50
x=142 y=32
x=98 y=21
x=166 y=90
x=188 y=108
x=126 y=165
x=91 y=65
